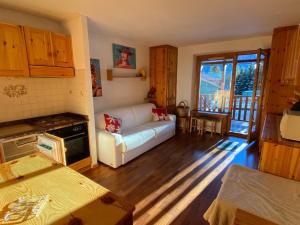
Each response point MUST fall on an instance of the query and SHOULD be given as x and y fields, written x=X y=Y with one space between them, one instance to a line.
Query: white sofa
x=138 y=134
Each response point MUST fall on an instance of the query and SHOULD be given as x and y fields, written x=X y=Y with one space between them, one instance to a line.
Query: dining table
x=68 y=196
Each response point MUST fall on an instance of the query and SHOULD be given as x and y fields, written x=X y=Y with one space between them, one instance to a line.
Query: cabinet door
x=171 y=79
x=297 y=167
x=286 y=47
x=278 y=159
x=161 y=77
x=62 y=50
x=12 y=51
x=39 y=48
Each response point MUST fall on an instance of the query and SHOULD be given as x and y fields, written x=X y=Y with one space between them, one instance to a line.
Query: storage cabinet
x=163 y=75
x=284 y=69
x=39 y=49
x=12 y=51
x=50 y=54
x=62 y=50
x=278 y=156
x=286 y=47
x=280 y=160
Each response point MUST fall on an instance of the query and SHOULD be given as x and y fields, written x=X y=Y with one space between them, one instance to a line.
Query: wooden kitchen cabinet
x=278 y=156
x=163 y=75
x=50 y=54
x=284 y=70
x=12 y=51
x=285 y=53
x=62 y=50
x=39 y=49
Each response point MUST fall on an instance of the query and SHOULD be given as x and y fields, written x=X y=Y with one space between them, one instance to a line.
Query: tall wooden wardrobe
x=163 y=75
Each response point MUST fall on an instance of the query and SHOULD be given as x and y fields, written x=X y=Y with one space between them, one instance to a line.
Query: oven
x=75 y=142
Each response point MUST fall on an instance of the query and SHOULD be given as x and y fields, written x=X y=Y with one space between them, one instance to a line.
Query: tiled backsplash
x=29 y=97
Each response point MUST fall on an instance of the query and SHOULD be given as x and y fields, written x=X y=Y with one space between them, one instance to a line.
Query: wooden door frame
x=253 y=95
x=233 y=55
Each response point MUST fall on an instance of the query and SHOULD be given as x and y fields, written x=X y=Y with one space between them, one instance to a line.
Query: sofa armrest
x=109 y=148
x=172 y=117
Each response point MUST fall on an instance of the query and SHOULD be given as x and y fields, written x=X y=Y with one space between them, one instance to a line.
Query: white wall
x=79 y=98
x=186 y=60
x=119 y=91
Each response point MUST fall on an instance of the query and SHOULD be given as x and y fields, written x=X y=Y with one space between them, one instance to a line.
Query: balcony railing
x=241 y=105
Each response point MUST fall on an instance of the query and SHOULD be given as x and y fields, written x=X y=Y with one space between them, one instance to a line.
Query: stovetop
x=19 y=128
x=54 y=121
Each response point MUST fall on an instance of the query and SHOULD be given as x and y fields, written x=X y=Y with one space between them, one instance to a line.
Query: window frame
x=221 y=56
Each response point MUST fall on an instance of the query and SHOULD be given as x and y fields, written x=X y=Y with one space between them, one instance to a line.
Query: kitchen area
x=47 y=128
x=62 y=137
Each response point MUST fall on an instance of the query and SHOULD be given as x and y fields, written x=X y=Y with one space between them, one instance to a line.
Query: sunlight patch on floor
x=173 y=195
x=146 y=201
x=183 y=203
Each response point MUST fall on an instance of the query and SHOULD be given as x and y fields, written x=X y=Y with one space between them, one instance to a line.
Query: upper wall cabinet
x=13 y=58
x=62 y=50
x=50 y=54
x=286 y=47
x=39 y=48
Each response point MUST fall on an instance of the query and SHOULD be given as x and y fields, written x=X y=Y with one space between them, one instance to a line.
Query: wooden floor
x=176 y=182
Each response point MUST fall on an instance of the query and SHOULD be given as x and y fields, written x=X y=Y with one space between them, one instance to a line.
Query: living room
x=149 y=112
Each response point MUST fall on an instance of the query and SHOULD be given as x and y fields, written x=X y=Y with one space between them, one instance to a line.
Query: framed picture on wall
x=96 y=77
x=124 y=57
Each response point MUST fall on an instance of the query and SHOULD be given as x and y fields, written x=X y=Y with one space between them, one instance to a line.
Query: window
x=232 y=83
x=214 y=84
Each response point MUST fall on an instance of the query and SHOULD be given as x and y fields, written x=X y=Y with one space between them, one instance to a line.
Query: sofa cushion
x=161 y=127
x=135 y=137
x=143 y=113
x=160 y=114
x=112 y=124
x=131 y=116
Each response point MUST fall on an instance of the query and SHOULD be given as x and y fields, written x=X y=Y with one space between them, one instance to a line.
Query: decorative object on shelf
x=15 y=91
x=142 y=73
x=124 y=57
x=151 y=93
x=96 y=77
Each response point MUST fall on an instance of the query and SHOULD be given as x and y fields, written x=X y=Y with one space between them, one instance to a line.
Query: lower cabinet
x=280 y=160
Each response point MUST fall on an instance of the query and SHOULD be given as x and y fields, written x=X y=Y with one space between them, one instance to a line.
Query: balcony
x=241 y=107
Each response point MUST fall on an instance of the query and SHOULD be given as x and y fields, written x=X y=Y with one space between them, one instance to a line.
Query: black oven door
x=77 y=147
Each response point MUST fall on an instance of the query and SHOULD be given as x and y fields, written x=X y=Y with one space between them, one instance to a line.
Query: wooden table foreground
x=73 y=198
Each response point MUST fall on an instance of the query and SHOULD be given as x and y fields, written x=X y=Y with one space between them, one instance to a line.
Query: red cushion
x=160 y=114
x=112 y=124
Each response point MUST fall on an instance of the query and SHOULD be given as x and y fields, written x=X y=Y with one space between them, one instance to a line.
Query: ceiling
x=176 y=22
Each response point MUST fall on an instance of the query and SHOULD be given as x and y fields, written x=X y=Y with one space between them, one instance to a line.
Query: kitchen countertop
x=271 y=131
x=25 y=127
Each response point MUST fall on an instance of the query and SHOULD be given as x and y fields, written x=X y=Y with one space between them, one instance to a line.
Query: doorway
x=249 y=73
x=233 y=83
